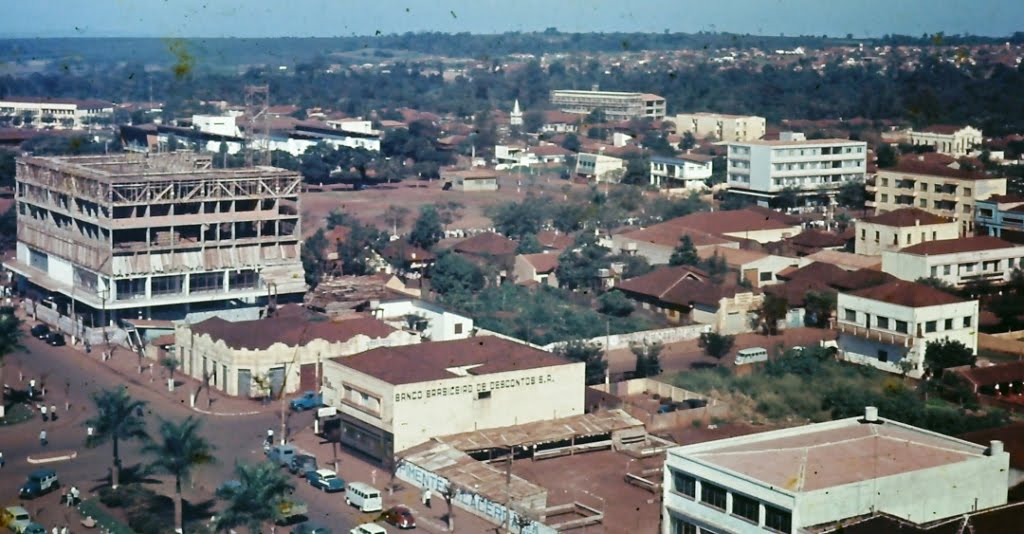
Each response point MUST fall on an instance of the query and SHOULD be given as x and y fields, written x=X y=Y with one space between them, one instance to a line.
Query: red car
x=399 y=516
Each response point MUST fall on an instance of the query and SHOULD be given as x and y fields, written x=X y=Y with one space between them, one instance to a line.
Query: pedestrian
x=53 y=412
x=64 y=529
x=88 y=431
x=55 y=530
x=74 y=495
x=270 y=436
x=426 y=497
x=2 y=461
x=42 y=410
x=42 y=438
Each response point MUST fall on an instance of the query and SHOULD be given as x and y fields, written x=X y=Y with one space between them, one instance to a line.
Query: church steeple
x=516 y=119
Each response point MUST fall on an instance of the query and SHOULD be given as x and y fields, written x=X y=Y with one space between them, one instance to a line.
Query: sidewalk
x=354 y=469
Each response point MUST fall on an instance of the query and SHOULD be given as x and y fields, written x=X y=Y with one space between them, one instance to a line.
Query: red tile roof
x=813 y=271
x=904 y=217
x=425 y=362
x=945 y=129
x=670 y=232
x=291 y=330
x=911 y=164
x=487 y=244
x=734 y=221
x=817 y=239
x=859 y=279
x=406 y=252
x=680 y=286
x=953 y=246
x=549 y=150
x=795 y=291
x=542 y=262
x=554 y=240
x=909 y=294
x=991 y=375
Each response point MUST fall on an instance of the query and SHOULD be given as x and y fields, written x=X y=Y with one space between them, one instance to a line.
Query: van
x=751 y=355
x=39 y=482
x=364 y=497
x=281 y=455
x=368 y=528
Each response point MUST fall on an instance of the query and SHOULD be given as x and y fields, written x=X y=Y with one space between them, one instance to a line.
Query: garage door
x=276 y=377
x=244 y=383
x=307 y=377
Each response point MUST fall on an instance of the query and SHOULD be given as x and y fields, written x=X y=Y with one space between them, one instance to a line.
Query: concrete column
x=728 y=502
x=226 y=280
x=761 y=513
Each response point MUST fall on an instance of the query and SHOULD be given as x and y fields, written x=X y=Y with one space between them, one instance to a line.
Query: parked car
x=56 y=339
x=368 y=528
x=399 y=516
x=281 y=454
x=311 y=528
x=302 y=464
x=40 y=482
x=308 y=401
x=34 y=528
x=15 y=518
x=326 y=480
x=40 y=331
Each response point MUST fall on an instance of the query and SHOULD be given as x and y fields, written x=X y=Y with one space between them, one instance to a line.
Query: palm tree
x=180 y=449
x=10 y=341
x=258 y=498
x=118 y=418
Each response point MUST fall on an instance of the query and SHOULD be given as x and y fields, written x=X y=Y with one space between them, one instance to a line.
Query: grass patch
x=104 y=521
x=812 y=386
x=18 y=412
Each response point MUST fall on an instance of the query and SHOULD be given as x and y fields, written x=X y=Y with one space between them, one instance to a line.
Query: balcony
x=891 y=338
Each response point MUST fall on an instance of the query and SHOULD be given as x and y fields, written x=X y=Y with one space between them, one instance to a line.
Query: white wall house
x=889 y=326
x=901 y=228
x=599 y=167
x=442 y=325
x=55 y=112
x=720 y=126
x=688 y=171
x=510 y=157
x=957 y=262
x=805 y=479
x=763 y=169
x=949 y=140
x=394 y=398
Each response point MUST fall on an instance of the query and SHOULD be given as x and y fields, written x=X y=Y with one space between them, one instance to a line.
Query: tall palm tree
x=10 y=341
x=258 y=497
x=178 y=451
x=118 y=418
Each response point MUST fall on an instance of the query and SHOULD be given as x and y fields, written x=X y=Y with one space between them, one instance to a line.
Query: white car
x=16 y=518
x=368 y=528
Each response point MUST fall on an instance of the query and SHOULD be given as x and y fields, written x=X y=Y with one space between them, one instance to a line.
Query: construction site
x=154 y=237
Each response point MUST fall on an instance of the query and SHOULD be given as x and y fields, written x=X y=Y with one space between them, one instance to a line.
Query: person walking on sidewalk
x=42 y=437
x=42 y=410
x=53 y=412
x=426 y=497
x=2 y=461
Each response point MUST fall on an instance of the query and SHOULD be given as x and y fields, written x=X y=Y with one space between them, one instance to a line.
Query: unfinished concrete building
x=155 y=236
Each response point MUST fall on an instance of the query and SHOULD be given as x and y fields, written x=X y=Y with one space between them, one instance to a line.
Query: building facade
x=894 y=230
x=55 y=112
x=950 y=140
x=391 y=399
x=729 y=128
x=809 y=478
x=1000 y=216
x=811 y=168
x=155 y=236
x=935 y=188
x=957 y=262
x=689 y=171
x=599 y=168
x=617 y=106
x=889 y=326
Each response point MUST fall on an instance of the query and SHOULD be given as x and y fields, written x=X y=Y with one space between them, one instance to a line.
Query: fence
x=92 y=336
x=662 y=335
x=661 y=421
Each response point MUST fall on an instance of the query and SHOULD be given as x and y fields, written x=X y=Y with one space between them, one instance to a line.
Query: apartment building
x=814 y=477
x=957 y=261
x=721 y=127
x=689 y=171
x=1000 y=216
x=954 y=141
x=617 y=106
x=55 y=112
x=155 y=236
x=599 y=167
x=889 y=326
x=815 y=169
x=901 y=228
x=917 y=182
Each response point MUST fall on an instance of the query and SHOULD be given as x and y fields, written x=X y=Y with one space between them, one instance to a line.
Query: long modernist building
x=155 y=236
x=616 y=106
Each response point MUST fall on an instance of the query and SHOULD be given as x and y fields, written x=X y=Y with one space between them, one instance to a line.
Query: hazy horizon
x=342 y=18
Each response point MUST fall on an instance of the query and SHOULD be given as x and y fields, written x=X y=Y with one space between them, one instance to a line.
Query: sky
x=327 y=18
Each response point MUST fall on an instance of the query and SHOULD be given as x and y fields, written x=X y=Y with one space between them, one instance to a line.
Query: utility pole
x=508 y=488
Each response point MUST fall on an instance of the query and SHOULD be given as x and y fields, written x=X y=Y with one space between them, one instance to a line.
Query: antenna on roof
x=257 y=104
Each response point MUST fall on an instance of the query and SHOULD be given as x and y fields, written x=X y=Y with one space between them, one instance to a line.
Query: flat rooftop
x=831 y=454
x=460 y=468
x=801 y=142
x=133 y=167
x=583 y=425
x=438 y=360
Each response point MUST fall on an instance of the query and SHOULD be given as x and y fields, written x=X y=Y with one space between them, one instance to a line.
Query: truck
x=308 y=401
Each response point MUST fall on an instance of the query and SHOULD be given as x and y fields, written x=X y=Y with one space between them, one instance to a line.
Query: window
x=901 y=327
x=931 y=326
x=967 y=209
x=778 y=519
x=923 y=203
x=864 y=233
x=935 y=236
x=458 y=328
x=684 y=484
x=245 y=279
x=883 y=355
x=947 y=269
x=712 y=495
x=948 y=325
x=885 y=197
x=766 y=277
x=967 y=322
x=483 y=395
x=878 y=236
x=851 y=315
x=924 y=186
x=885 y=182
x=131 y=288
x=967 y=267
x=882 y=322
x=679 y=526
x=967 y=191
x=746 y=507
x=205 y=282
x=935 y=271
x=166 y=285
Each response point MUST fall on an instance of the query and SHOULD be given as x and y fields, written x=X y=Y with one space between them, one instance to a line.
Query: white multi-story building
x=688 y=171
x=392 y=398
x=55 y=112
x=951 y=140
x=810 y=478
x=729 y=128
x=890 y=325
x=617 y=106
x=901 y=228
x=812 y=168
x=957 y=262
x=599 y=167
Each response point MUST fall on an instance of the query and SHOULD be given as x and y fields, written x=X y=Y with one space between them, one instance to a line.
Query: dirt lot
x=369 y=204
x=596 y=479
